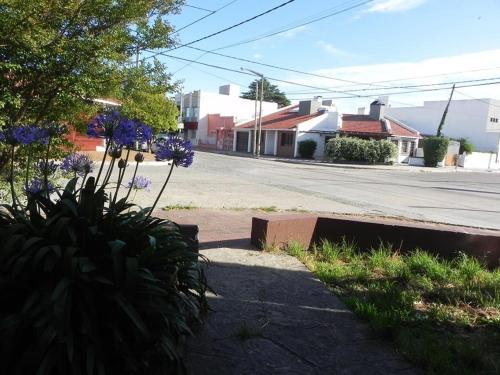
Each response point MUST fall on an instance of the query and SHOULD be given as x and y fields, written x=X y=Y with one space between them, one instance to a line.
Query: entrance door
x=242 y=141
x=286 y=144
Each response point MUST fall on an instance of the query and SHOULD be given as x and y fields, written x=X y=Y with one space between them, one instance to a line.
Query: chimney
x=308 y=107
x=377 y=110
x=230 y=90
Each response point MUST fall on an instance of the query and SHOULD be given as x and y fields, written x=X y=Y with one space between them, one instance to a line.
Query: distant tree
x=271 y=93
x=143 y=96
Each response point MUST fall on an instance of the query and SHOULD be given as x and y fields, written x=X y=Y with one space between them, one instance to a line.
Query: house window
x=494 y=119
x=412 y=148
x=404 y=147
x=286 y=139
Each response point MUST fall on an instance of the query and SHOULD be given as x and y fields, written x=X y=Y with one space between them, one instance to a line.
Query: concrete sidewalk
x=271 y=315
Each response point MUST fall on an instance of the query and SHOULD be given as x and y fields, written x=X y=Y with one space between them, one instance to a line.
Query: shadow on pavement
x=272 y=316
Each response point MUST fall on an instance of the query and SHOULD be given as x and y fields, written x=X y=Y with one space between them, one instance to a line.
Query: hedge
x=435 y=149
x=307 y=148
x=357 y=149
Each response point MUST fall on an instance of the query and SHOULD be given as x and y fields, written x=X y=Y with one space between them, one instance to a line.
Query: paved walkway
x=271 y=315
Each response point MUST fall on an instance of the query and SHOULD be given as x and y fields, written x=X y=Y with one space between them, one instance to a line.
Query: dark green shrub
x=307 y=148
x=91 y=284
x=356 y=149
x=435 y=149
x=465 y=146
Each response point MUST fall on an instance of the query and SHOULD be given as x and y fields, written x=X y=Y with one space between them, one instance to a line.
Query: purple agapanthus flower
x=37 y=185
x=46 y=168
x=140 y=183
x=176 y=149
x=79 y=164
x=104 y=124
x=25 y=135
x=144 y=133
x=124 y=133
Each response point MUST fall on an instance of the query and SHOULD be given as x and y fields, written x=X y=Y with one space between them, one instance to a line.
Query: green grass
x=442 y=315
x=172 y=207
x=268 y=209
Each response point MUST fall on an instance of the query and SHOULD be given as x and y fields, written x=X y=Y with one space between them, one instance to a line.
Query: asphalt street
x=222 y=181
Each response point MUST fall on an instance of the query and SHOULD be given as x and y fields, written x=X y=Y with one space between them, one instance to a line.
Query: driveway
x=222 y=181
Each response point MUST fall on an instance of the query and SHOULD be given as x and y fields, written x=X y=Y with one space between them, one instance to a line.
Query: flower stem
x=45 y=172
x=108 y=173
x=161 y=191
x=28 y=164
x=132 y=181
x=121 y=173
x=102 y=163
x=12 y=190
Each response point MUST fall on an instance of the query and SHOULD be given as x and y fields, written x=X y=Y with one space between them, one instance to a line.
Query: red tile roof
x=284 y=119
x=365 y=125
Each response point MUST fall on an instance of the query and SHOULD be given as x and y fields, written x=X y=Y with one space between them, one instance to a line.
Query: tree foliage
x=55 y=55
x=435 y=149
x=142 y=93
x=271 y=93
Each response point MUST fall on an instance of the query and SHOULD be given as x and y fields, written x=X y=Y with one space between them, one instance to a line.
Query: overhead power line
x=340 y=79
x=224 y=30
x=212 y=12
x=408 y=92
x=322 y=89
x=405 y=87
x=343 y=10
x=277 y=67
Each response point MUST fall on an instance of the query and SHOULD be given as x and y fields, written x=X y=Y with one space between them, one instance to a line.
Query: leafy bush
x=435 y=149
x=307 y=148
x=356 y=149
x=465 y=146
x=89 y=283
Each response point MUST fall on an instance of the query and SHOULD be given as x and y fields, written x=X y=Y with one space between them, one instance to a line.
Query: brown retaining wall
x=444 y=240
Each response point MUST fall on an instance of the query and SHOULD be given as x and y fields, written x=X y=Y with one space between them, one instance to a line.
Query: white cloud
x=330 y=48
x=386 y=6
x=257 y=55
x=293 y=32
x=429 y=71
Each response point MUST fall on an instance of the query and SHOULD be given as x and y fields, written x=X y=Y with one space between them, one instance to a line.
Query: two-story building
x=209 y=117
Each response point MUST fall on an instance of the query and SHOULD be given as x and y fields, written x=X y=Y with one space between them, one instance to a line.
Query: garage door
x=242 y=141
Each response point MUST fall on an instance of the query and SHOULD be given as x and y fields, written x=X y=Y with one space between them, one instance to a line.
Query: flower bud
x=87 y=168
x=122 y=164
x=115 y=153
x=139 y=157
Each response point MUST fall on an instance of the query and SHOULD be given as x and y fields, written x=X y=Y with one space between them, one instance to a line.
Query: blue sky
x=380 y=41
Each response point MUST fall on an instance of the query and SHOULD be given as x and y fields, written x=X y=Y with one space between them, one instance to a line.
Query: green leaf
x=131 y=313
x=70 y=186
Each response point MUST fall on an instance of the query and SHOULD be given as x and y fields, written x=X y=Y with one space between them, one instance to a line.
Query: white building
x=319 y=120
x=283 y=130
x=204 y=113
x=478 y=120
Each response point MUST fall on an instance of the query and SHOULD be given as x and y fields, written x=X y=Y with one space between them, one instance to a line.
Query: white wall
x=226 y=105
x=466 y=119
x=479 y=160
x=317 y=129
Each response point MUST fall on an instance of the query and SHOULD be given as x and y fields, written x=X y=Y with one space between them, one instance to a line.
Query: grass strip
x=444 y=316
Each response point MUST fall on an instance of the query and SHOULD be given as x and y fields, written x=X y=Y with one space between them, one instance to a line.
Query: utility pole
x=260 y=114
x=257 y=154
x=441 y=124
x=256 y=120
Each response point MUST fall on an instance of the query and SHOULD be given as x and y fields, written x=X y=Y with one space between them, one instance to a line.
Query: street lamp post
x=257 y=154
